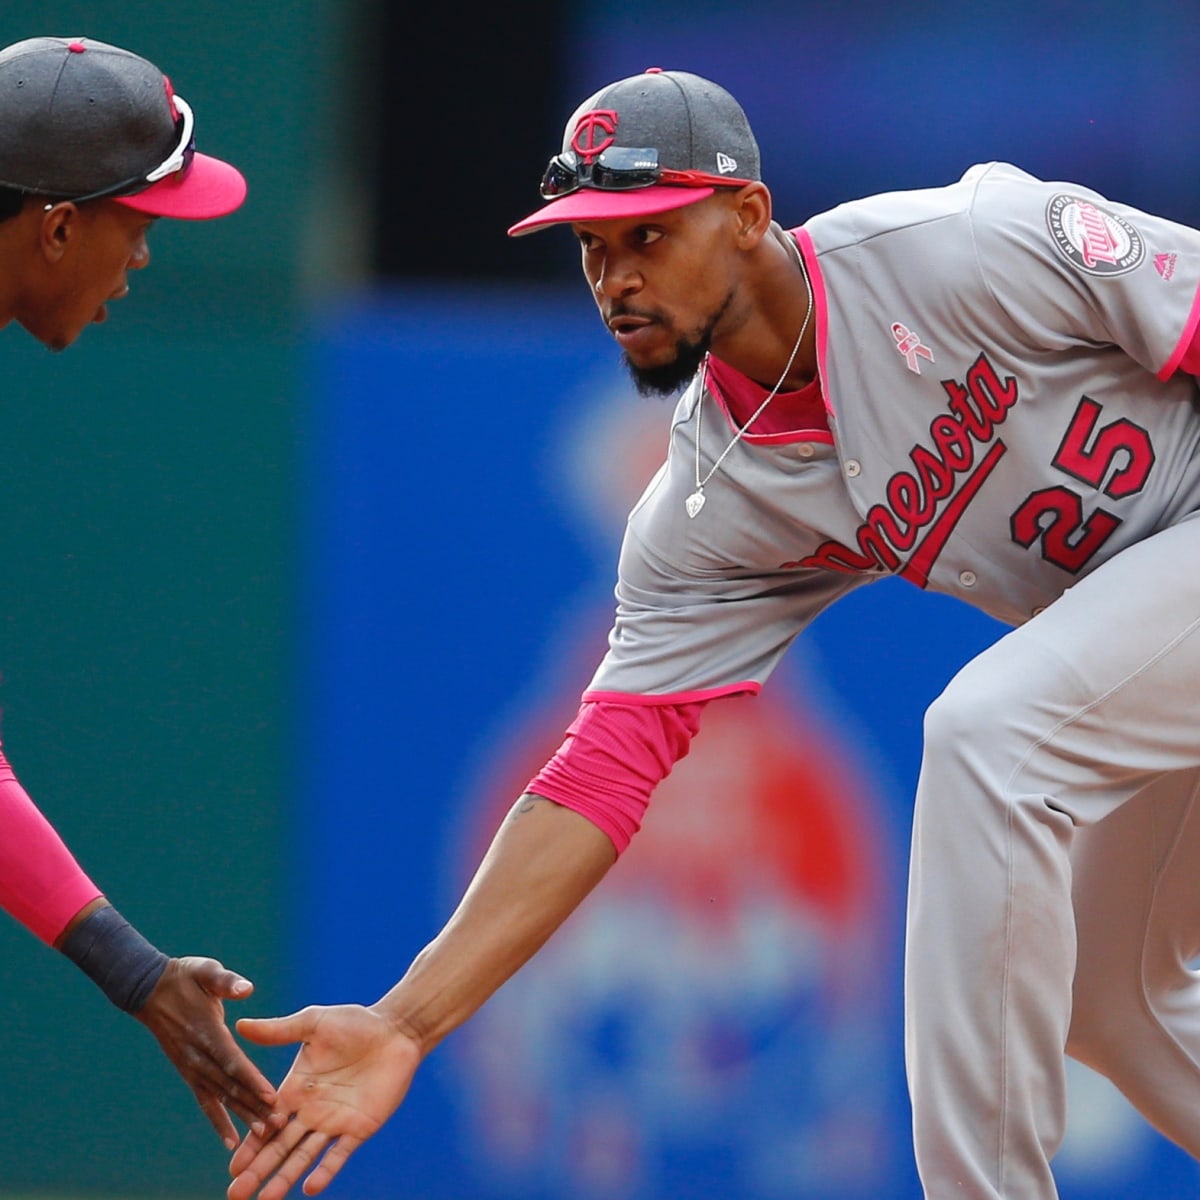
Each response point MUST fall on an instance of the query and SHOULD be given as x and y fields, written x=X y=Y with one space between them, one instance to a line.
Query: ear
x=752 y=208
x=59 y=227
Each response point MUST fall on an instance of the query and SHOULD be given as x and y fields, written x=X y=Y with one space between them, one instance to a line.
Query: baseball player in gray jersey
x=988 y=389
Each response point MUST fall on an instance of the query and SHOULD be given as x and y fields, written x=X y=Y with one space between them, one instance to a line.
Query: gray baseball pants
x=1054 y=902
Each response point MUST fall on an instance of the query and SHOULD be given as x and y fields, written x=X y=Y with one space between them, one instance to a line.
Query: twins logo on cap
x=594 y=132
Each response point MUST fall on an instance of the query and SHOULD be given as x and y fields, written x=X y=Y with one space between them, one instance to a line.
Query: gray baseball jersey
x=1000 y=429
x=1006 y=364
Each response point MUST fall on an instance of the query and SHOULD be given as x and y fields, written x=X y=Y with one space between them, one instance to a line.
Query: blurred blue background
x=310 y=550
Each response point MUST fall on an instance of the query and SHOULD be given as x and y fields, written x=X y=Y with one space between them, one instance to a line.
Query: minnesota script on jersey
x=1000 y=362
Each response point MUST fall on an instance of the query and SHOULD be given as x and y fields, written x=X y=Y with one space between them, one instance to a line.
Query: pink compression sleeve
x=613 y=757
x=41 y=884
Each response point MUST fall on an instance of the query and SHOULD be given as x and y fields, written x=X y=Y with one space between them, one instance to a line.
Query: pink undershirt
x=41 y=884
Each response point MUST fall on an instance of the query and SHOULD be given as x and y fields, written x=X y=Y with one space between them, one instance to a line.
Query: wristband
x=107 y=949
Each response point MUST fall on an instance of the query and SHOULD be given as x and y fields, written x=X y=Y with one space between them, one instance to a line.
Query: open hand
x=351 y=1073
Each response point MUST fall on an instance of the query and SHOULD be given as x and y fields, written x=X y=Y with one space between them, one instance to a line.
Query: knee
x=976 y=736
x=965 y=719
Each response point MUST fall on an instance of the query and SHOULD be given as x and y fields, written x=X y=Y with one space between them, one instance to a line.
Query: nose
x=617 y=276
x=140 y=258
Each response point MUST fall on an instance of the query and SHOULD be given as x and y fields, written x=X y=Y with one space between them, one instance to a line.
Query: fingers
x=214 y=1110
x=227 y=1072
x=334 y=1160
x=216 y=1101
x=278 y=1164
x=244 y=1155
x=276 y=1031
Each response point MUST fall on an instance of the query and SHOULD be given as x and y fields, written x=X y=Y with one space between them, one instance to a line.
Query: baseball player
x=94 y=147
x=988 y=389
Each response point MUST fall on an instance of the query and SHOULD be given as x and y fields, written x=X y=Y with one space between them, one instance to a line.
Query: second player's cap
x=646 y=145
x=82 y=120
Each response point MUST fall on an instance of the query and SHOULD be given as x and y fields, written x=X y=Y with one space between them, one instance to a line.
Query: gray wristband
x=107 y=949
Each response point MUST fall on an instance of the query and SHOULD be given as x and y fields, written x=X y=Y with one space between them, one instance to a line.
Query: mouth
x=102 y=312
x=630 y=331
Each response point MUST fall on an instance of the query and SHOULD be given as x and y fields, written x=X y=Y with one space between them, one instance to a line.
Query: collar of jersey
x=797 y=416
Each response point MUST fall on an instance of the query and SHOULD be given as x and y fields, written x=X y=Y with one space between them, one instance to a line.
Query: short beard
x=670 y=377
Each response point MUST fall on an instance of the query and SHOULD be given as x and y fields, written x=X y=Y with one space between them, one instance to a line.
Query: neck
x=777 y=307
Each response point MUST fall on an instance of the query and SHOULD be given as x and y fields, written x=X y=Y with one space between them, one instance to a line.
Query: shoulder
x=987 y=184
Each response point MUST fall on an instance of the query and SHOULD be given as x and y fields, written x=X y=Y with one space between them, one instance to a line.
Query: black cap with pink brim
x=645 y=145
x=82 y=120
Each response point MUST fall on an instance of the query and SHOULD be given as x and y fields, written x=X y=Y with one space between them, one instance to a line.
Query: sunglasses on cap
x=176 y=163
x=621 y=169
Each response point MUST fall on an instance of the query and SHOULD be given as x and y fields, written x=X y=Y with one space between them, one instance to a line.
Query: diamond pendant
x=694 y=503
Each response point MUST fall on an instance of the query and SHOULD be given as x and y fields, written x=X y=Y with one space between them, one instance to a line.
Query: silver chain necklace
x=695 y=502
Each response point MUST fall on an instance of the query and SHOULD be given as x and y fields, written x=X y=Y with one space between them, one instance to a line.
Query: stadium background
x=307 y=554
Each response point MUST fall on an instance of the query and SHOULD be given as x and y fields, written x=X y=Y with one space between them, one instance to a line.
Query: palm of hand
x=350 y=1075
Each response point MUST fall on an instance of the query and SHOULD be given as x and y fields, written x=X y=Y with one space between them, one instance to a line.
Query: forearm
x=41 y=884
x=542 y=862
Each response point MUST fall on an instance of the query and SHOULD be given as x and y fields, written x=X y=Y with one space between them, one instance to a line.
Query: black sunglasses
x=621 y=169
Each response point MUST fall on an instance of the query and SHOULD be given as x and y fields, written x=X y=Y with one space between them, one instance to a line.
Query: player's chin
x=58 y=335
x=60 y=341
x=661 y=379
x=56 y=340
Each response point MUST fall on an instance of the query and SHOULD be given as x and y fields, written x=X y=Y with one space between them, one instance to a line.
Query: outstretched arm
x=356 y=1063
x=180 y=1000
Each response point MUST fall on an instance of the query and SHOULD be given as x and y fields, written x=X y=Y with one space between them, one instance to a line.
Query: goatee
x=670 y=377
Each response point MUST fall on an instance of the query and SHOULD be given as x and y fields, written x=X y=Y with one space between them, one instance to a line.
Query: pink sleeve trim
x=613 y=757
x=669 y=698
x=41 y=884
x=820 y=309
x=1187 y=352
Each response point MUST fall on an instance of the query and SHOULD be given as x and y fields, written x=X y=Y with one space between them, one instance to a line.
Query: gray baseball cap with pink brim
x=645 y=145
x=82 y=120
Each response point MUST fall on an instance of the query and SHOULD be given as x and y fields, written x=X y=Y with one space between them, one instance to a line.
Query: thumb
x=277 y=1031
x=217 y=979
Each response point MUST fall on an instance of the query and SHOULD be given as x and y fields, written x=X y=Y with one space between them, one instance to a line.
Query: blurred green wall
x=146 y=556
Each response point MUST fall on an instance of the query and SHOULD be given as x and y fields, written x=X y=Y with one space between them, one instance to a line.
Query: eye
x=647 y=235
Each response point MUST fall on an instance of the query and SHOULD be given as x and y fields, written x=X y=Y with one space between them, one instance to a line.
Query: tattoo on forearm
x=527 y=803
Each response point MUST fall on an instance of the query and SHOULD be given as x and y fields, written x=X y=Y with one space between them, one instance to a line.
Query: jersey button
x=853 y=468
x=805 y=450
x=968 y=578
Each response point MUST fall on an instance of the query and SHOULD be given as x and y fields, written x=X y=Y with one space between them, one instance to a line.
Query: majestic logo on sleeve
x=1164 y=264
x=1091 y=238
x=926 y=503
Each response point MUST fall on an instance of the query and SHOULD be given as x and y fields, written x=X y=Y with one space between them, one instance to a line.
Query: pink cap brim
x=591 y=204
x=211 y=188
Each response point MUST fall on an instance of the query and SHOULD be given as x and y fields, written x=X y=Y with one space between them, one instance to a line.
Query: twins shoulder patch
x=1091 y=238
